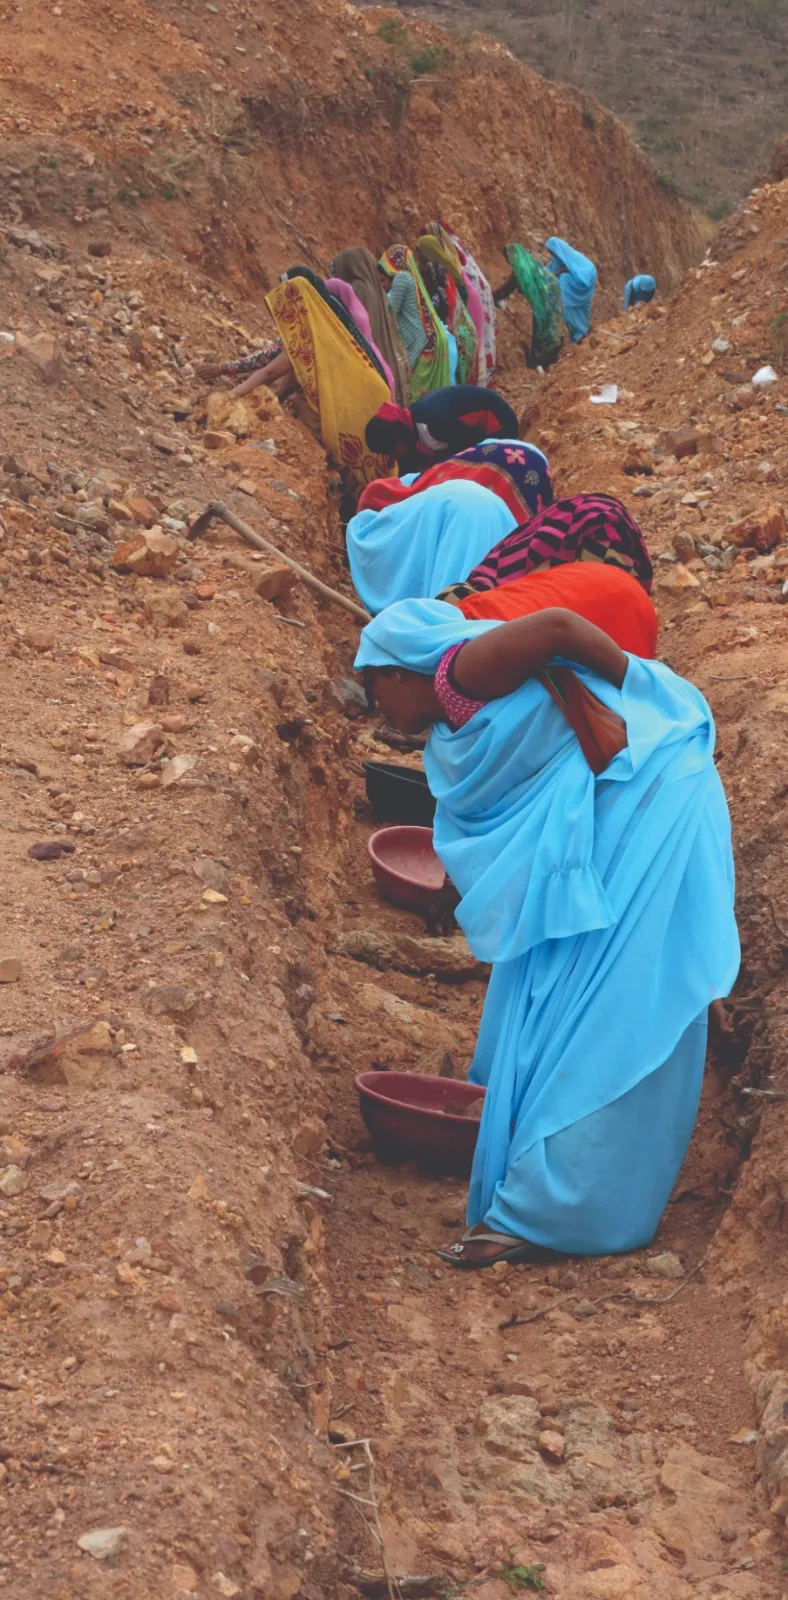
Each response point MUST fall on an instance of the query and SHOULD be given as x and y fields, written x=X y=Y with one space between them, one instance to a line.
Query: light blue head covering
x=415 y=635
x=417 y=547
x=641 y=288
x=577 y=285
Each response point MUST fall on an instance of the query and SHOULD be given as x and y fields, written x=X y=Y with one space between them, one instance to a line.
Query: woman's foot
x=479 y=1247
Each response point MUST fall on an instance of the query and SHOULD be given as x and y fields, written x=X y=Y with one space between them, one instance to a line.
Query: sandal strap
x=503 y=1239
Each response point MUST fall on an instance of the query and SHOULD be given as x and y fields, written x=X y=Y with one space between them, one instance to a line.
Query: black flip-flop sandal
x=511 y=1251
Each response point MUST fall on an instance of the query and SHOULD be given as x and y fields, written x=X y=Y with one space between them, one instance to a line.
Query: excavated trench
x=593 y=1416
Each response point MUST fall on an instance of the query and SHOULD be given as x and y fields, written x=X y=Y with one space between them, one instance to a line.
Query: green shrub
x=426 y=61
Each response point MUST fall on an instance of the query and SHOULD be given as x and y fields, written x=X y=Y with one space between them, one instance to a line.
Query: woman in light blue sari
x=418 y=546
x=596 y=876
x=639 y=291
x=577 y=281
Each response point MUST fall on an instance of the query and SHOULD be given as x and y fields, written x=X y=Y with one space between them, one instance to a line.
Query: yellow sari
x=340 y=385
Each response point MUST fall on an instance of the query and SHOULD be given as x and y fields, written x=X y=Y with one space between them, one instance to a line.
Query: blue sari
x=606 y=908
x=638 y=291
x=577 y=283
x=422 y=544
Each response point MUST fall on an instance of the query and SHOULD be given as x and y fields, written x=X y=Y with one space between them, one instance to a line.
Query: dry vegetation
x=703 y=84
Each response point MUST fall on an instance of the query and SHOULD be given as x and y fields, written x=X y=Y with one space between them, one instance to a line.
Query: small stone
x=205 y=591
x=211 y=873
x=53 y=1193
x=141 y=509
x=214 y=440
x=165 y=445
x=159 y=690
x=93 y=517
x=120 y=511
x=102 y=1542
x=42 y=640
x=743 y=397
x=677 y=577
x=552 y=1445
x=10 y=969
x=151 y=554
x=584 y=1308
x=166 y=611
x=666 y=1265
x=164 y=1465
x=175 y=723
x=171 y=1000
x=55 y=1258
x=93 y=1040
x=351 y=697
x=43 y=352
x=309 y=1139
x=225 y=1586
x=638 y=459
x=176 y=767
x=100 y=247
x=194 y=692
x=51 y=849
x=212 y=897
x=680 y=442
x=184 y=1578
x=721 y=346
x=274 y=581
x=761 y=531
x=13 y=1181
x=140 y=743
x=684 y=546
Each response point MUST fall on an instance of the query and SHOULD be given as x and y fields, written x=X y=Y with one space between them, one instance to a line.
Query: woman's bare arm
x=504 y=290
x=497 y=662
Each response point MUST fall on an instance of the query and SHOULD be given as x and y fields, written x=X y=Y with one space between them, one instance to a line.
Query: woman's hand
x=500 y=661
x=274 y=375
x=209 y=370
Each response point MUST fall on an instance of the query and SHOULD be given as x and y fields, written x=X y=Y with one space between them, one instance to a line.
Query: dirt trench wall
x=243 y=142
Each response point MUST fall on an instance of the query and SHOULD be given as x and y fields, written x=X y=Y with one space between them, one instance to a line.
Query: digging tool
x=256 y=540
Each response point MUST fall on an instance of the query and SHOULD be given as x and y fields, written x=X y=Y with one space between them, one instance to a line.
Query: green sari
x=543 y=293
x=432 y=369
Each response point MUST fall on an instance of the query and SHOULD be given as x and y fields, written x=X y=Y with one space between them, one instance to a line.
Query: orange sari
x=603 y=594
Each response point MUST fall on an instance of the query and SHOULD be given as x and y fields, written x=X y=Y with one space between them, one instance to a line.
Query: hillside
x=240 y=143
x=211 y=1293
x=703 y=85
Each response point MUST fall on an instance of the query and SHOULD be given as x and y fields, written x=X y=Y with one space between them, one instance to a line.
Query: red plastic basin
x=404 y=1115
x=405 y=866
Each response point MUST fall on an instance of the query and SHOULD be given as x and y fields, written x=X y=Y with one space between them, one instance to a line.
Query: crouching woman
x=582 y=820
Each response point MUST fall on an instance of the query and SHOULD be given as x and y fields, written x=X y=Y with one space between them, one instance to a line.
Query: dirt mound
x=241 y=143
x=702 y=86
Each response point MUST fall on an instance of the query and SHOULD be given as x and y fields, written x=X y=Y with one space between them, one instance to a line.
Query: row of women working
x=396 y=331
x=581 y=818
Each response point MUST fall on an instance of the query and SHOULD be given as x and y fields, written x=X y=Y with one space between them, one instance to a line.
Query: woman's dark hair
x=369 y=687
x=383 y=436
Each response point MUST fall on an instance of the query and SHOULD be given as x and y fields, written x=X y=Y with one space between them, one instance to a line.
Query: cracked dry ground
x=189 y=1334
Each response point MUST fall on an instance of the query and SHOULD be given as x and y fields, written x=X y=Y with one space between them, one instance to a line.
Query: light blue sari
x=414 y=549
x=639 y=289
x=606 y=908
x=577 y=284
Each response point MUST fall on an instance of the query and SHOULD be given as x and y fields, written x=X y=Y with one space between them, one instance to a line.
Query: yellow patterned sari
x=340 y=385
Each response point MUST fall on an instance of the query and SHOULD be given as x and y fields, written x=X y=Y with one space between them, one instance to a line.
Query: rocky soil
x=237 y=141
x=209 y=1288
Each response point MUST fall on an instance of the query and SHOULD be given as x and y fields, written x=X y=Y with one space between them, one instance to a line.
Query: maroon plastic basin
x=405 y=866
x=404 y=1116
